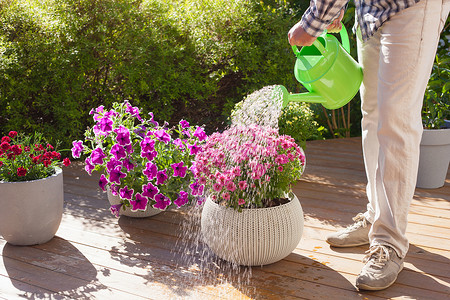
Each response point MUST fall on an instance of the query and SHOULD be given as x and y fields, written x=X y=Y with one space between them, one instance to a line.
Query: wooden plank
x=77 y=266
x=141 y=240
x=11 y=288
x=294 y=287
x=358 y=196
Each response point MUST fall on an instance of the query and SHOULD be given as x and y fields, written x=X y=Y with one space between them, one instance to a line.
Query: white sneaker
x=354 y=235
x=382 y=265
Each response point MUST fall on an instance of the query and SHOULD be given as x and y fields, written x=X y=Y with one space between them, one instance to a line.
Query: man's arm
x=321 y=15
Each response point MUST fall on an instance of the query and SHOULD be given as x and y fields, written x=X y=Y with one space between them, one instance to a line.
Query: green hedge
x=178 y=59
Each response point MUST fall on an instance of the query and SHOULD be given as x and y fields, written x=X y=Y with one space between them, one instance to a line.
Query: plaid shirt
x=371 y=14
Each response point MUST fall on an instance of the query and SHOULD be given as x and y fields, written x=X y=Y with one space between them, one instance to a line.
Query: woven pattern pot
x=150 y=211
x=253 y=237
x=31 y=211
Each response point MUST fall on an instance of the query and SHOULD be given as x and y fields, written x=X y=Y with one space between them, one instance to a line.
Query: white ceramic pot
x=150 y=211
x=253 y=237
x=31 y=211
x=434 y=158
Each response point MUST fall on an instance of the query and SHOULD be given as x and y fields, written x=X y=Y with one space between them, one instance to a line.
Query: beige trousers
x=397 y=63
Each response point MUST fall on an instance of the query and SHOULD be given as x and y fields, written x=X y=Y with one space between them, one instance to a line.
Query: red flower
x=50 y=147
x=16 y=149
x=13 y=134
x=46 y=162
x=66 y=162
x=6 y=139
x=27 y=148
x=1 y=163
x=21 y=171
x=5 y=146
x=36 y=159
x=11 y=156
x=47 y=155
x=56 y=155
x=38 y=147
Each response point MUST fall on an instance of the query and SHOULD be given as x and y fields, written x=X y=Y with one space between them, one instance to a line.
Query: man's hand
x=298 y=37
x=336 y=25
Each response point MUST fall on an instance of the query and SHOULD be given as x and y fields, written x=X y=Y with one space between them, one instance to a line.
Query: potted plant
x=435 y=144
x=31 y=189
x=250 y=217
x=145 y=167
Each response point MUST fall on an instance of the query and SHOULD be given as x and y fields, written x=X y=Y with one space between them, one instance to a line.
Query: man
x=397 y=42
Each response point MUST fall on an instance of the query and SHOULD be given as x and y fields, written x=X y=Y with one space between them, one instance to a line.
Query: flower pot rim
x=292 y=199
x=58 y=171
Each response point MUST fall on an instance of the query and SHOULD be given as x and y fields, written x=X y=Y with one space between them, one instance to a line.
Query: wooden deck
x=97 y=256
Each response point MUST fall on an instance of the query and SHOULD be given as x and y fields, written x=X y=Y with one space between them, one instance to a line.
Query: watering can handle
x=344 y=38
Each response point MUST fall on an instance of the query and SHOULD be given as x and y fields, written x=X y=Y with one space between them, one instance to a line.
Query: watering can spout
x=286 y=97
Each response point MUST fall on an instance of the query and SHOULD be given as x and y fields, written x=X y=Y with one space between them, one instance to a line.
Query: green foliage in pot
x=436 y=101
x=297 y=120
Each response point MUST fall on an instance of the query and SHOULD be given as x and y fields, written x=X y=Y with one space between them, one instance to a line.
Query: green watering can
x=328 y=72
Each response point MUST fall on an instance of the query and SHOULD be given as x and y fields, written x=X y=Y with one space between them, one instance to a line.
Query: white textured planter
x=150 y=211
x=31 y=211
x=434 y=158
x=253 y=237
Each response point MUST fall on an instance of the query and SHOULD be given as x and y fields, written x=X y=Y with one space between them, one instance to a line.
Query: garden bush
x=178 y=59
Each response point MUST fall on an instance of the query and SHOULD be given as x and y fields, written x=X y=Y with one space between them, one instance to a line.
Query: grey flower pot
x=31 y=211
x=434 y=158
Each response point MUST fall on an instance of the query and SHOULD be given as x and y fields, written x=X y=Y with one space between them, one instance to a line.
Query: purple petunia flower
x=112 y=163
x=116 y=174
x=98 y=109
x=123 y=135
x=150 y=170
x=89 y=166
x=141 y=131
x=126 y=193
x=128 y=164
x=134 y=111
x=197 y=189
x=152 y=120
x=149 y=190
x=161 y=177
x=97 y=130
x=140 y=203
x=179 y=170
x=162 y=202
x=103 y=182
x=194 y=149
x=77 y=149
x=179 y=143
x=115 y=209
x=114 y=189
x=105 y=125
x=182 y=199
x=200 y=133
x=184 y=124
x=129 y=148
x=97 y=156
x=162 y=135
x=149 y=155
x=147 y=144
x=118 y=151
